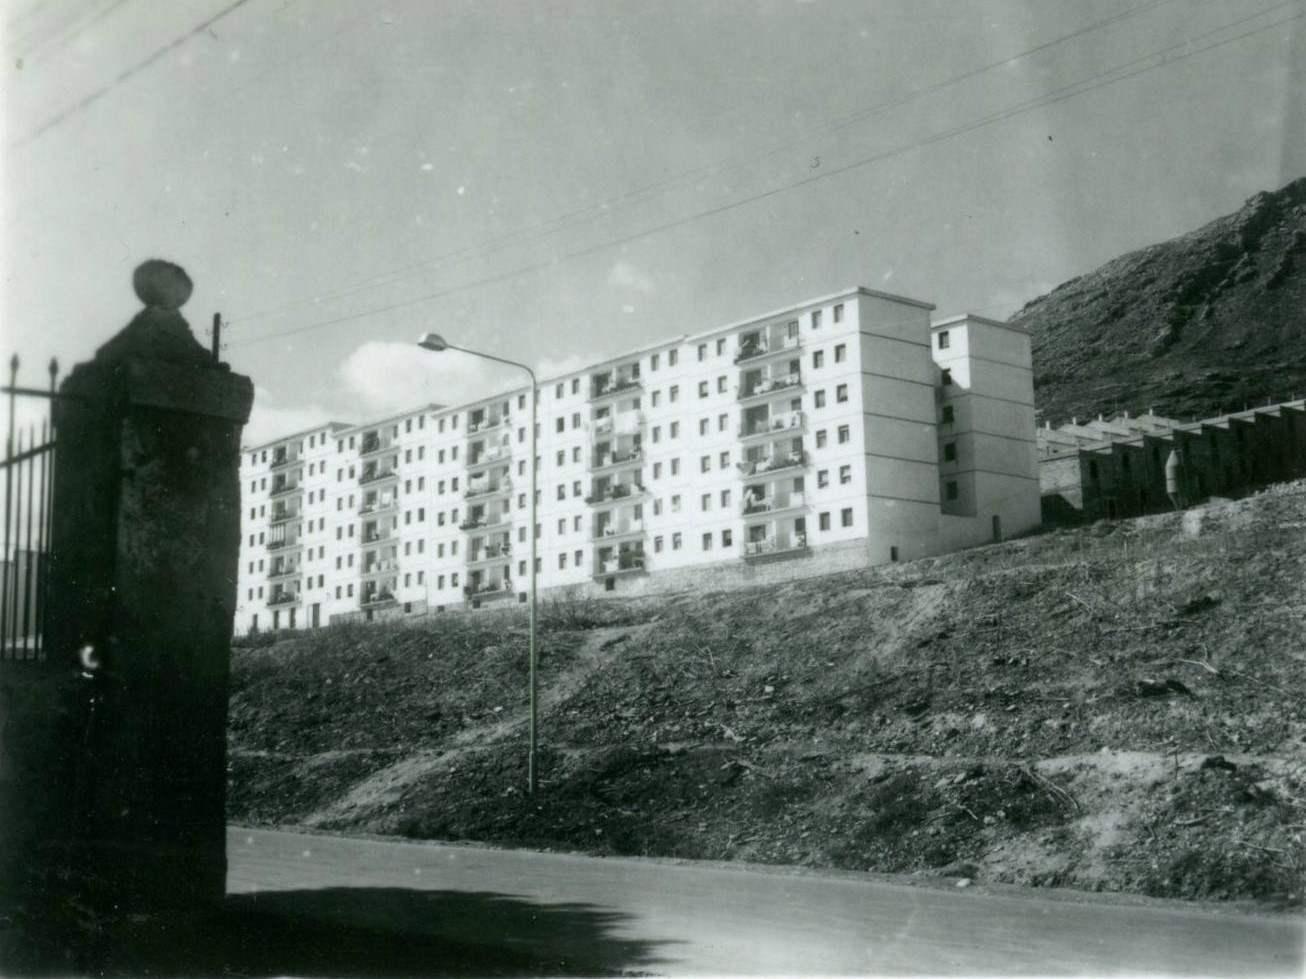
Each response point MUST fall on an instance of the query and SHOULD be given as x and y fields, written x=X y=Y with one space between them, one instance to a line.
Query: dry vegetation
x=1115 y=708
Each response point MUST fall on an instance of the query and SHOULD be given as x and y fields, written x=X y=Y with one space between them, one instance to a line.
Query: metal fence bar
x=9 y=494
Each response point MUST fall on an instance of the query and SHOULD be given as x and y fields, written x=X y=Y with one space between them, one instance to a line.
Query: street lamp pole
x=434 y=342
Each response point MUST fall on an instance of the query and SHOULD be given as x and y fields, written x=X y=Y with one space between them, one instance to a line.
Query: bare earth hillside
x=1206 y=323
x=1116 y=707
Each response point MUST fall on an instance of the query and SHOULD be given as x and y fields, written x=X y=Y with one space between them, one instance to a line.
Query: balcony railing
x=496 y=453
x=771 y=464
x=373 y=475
x=774 y=545
x=281 y=460
x=608 y=386
x=378 y=507
x=609 y=460
x=770 y=385
x=379 y=567
x=487 y=424
x=372 y=443
x=278 y=545
x=281 y=489
x=376 y=599
x=618 y=530
x=488 y=589
x=770 y=426
x=630 y=561
x=281 y=516
x=617 y=491
x=495 y=552
x=284 y=572
x=376 y=537
x=771 y=504
x=487 y=489
x=283 y=598
x=753 y=351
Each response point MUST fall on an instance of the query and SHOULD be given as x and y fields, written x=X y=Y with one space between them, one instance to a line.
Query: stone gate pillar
x=145 y=539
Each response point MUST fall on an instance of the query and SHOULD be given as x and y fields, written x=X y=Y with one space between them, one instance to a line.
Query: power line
x=1081 y=87
x=573 y=219
x=129 y=73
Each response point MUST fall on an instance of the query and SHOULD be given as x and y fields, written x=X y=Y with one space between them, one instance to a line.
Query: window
x=948 y=415
x=725 y=498
x=656 y=398
x=706 y=502
x=575 y=385
x=944 y=340
x=818 y=399
x=1092 y=470
x=672 y=357
x=841 y=393
x=657 y=507
x=950 y=452
x=677 y=541
x=724 y=460
x=707 y=541
x=721 y=422
x=675 y=503
x=823 y=521
x=675 y=467
x=562 y=525
x=562 y=456
x=821 y=438
x=838 y=313
x=575 y=488
x=674 y=430
x=720 y=346
x=893 y=553
x=845 y=475
x=578 y=558
x=818 y=358
x=846 y=517
x=946 y=376
x=562 y=561
x=657 y=470
x=950 y=490
x=657 y=545
x=575 y=419
x=562 y=491
x=840 y=353
x=673 y=393
x=575 y=454
x=557 y=391
x=702 y=351
x=721 y=385
x=727 y=538
x=653 y=364
x=657 y=433
x=702 y=388
x=844 y=434
x=822 y=478
x=560 y=424
x=703 y=426
x=705 y=464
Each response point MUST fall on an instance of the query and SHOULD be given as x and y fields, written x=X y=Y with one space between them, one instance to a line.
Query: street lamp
x=436 y=343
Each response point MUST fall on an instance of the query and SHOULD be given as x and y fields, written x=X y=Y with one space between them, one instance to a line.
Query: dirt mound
x=1114 y=707
x=1203 y=324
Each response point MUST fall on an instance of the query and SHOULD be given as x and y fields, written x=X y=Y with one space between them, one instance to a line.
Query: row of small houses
x=1127 y=466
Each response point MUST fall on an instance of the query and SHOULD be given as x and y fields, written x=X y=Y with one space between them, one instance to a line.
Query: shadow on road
x=382 y=931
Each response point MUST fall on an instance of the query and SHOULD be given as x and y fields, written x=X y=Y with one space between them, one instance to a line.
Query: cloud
x=558 y=366
x=386 y=377
x=627 y=276
x=269 y=420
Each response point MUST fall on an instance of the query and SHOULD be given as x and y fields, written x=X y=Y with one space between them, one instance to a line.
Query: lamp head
x=432 y=341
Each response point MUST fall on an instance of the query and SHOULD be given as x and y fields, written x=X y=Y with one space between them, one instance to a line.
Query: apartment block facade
x=842 y=432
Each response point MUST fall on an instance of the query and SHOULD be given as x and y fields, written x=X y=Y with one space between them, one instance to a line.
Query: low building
x=1116 y=467
x=842 y=432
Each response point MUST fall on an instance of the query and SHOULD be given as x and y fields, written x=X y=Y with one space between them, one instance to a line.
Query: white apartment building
x=843 y=432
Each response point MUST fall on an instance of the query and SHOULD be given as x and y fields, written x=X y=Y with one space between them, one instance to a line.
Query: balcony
x=772 y=504
x=487 y=488
x=610 y=385
x=775 y=425
x=381 y=567
x=283 y=598
x=488 y=590
x=281 y=489
x=629 y=562
x=381 y=506
x=775 y=547
x=616 y=532
x=758 y=350
x=616 y=460
x=376 y=475
x=771 y=385
x=282 y=572
x=282 y=459
x=378 y=599
x=481 y=521
x=373 y=443
x=497 y=453
x=282 y=515
x=282 y=544
x=774 y=464
x=370 y=537
x=490 y=555
x=614 y=493
x=480 y=427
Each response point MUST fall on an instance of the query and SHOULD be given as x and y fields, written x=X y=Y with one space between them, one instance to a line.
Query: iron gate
x=28 y=487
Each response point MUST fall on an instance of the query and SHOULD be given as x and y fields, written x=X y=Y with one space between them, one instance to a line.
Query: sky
x=558 y=182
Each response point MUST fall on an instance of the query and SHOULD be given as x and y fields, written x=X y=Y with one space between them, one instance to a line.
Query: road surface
x=588 y=915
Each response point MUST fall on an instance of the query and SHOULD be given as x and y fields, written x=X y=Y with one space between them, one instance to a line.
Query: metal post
x=532 y=774
x=9 y=490
x=217 y=336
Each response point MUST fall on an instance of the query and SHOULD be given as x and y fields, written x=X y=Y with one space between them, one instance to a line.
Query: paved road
x=585 y=914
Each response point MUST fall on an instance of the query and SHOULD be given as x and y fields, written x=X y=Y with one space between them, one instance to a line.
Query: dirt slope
x=1116 y=707
x=1195 y=326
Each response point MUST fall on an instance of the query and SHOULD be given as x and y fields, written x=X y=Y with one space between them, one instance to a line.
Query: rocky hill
x=1201 y=324
x=1115 y=707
